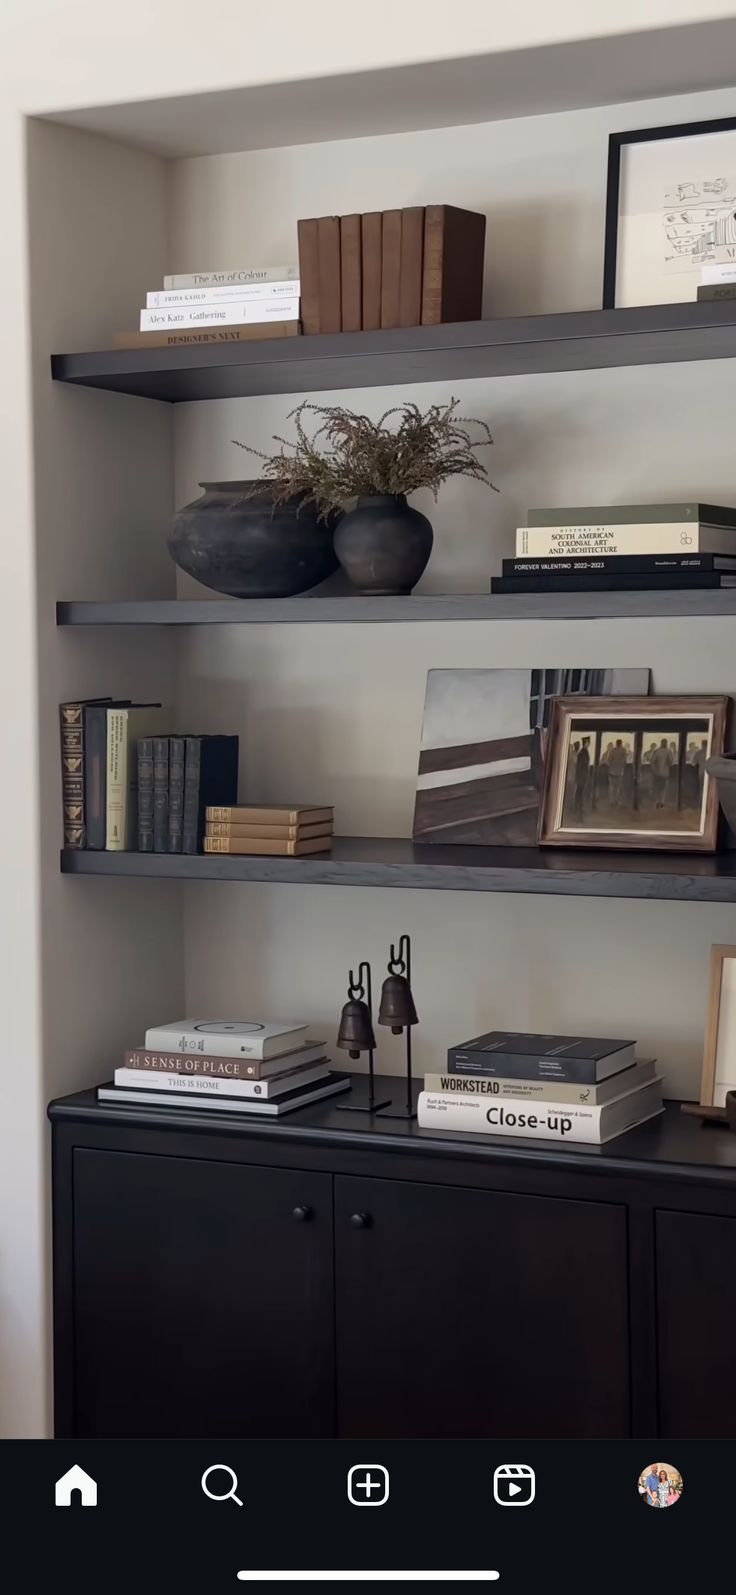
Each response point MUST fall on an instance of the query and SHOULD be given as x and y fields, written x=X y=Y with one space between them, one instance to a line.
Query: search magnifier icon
x=228 y=1495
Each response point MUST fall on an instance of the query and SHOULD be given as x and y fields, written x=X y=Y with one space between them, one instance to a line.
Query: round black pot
x=383 y=544
x=249 y=548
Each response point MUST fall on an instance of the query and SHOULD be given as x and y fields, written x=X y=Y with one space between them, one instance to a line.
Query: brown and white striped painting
x=481 y=761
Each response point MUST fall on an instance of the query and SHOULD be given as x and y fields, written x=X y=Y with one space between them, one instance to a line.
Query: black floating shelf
x=430 y=607
x=575 y=341
x=386 y=861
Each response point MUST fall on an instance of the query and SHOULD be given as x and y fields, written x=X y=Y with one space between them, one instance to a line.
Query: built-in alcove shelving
x=533 y=344
x=522 y=345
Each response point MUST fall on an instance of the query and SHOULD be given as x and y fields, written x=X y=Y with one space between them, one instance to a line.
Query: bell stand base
x=365 y=1107
x=371 y=1106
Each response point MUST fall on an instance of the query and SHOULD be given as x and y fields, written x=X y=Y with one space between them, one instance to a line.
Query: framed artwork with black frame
x=670 y=211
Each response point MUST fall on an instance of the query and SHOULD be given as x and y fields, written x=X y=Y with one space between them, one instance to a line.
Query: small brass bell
x=355 y=1034
x=397 y=1004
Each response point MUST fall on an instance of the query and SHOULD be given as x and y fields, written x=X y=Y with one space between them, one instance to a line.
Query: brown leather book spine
x=71 y=718
x=412 y=259
x=274 y=833
x=307 y=233
x=266 y=846
x=257 y=330
x=351 y=274
x=390 y=267
x=330 y=308
x=370 y=230
x=452 y=278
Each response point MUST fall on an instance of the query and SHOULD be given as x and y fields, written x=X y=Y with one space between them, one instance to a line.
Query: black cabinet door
x=696 y=1324
x=203 y=1298
x=471 y=1313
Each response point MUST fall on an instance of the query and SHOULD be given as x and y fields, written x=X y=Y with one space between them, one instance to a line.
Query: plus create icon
x=368 y=1484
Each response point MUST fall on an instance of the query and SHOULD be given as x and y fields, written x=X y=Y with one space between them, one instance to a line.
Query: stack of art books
x=234 y=1066
x=550 y=1088
x=623 y=547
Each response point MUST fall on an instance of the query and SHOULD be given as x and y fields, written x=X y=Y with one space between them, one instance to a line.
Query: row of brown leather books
x=392 y=268
x=270 y=829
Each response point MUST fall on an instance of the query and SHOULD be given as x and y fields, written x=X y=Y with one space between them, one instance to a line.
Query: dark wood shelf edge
x=392 y=862
x=658 y=1147
x=571 y=340
x=430 y=607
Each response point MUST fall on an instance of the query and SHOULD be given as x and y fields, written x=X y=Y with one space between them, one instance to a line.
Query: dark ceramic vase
x=248 y=547
x=383 y=544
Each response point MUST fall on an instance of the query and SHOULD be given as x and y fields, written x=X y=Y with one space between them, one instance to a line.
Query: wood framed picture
x=670 y=212
x=630 y=773
x=719 y=1055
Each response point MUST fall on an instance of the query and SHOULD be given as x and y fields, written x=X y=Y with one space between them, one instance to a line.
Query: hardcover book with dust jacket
x=545 y=1121
x=226 y=1038
x=539 y=1057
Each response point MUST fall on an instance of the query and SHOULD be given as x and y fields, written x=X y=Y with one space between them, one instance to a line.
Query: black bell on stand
x=356 y=1035
x=356 y=1028
x=397 y=1004
x=398 y=1010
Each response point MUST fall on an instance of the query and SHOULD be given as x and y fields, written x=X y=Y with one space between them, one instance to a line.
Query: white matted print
x=676 y=213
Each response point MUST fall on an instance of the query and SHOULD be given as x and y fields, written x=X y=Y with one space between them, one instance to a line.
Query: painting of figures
x=633 y=772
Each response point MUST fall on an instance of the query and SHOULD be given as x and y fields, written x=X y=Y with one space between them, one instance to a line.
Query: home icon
x=75 y=1488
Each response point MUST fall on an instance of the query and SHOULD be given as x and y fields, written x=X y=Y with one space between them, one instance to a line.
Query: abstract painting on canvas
x=481 y=762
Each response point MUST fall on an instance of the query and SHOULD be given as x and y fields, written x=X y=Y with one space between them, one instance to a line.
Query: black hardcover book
x=598 y=582
x=192 y=749
x=176 y=793
x=210 y=778
x=629 y=564
x=95 y=775
x=580 y=1060
x=160 y=794
x=145 y=794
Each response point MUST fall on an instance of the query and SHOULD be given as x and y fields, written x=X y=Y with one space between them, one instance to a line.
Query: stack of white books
x=247 y=302
x=238 y=1066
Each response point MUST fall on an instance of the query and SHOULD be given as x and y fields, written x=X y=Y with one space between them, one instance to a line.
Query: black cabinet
x=202 y=1298
x=333 y=1275
x=696 y=1324
x=472 y=1313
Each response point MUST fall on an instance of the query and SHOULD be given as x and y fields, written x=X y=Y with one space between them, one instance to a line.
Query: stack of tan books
x=269 y=828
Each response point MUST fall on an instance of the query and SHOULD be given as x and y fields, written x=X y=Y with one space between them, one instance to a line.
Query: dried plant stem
x=346 y=455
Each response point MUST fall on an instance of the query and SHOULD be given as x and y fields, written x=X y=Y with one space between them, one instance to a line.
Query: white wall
x=333 y=714
x=83 y=53
x=82 y=968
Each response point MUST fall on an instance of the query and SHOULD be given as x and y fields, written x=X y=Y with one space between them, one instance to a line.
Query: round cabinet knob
x=361 y=1220
x=302 y=1214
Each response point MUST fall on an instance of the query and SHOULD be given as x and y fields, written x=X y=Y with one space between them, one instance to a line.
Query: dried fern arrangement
x=345 y=456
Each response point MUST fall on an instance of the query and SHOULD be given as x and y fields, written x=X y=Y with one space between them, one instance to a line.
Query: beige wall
x=83 y=53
